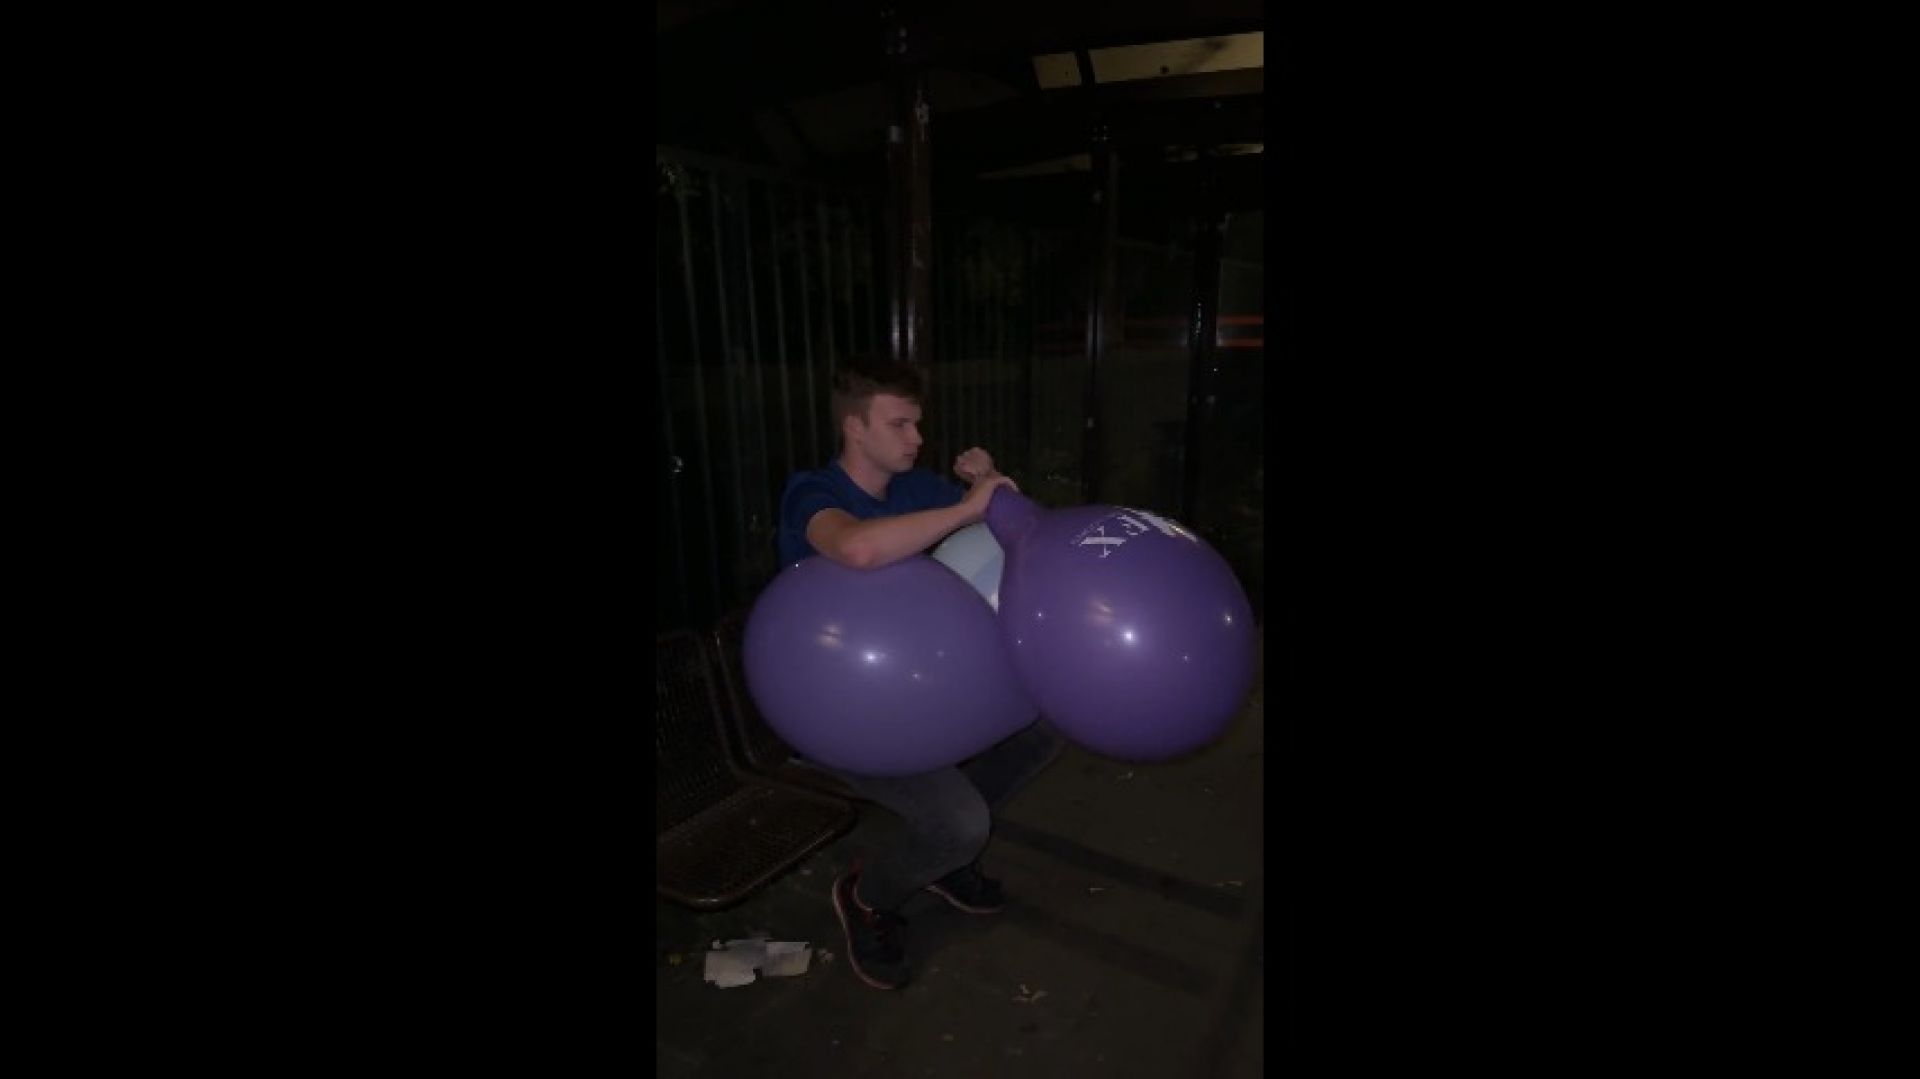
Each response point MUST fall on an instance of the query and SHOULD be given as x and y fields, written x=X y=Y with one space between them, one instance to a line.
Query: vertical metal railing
x=671 y=467
x=683 y=187
x=1055 y=369
x=1003 y=360
x=989 y=300
x=824 y=251
x=776 y=256
x=766 y=281
x=940 y=351
x=814 y=390
x=763 y=281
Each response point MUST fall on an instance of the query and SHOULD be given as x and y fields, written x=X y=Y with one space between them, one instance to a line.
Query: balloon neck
x=1010 y=516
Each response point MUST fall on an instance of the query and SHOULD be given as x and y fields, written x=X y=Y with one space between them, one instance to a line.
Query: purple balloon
x=1132 y=634
x=886 y=672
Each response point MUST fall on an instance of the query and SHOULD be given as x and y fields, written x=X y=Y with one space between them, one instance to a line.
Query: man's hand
x=974 y=465
x=975 y=504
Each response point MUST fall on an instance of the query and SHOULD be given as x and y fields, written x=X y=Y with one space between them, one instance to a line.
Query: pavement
x=1133 y=945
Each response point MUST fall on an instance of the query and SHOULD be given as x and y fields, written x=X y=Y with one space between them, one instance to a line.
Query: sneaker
x=966 y=889
x=875 y=948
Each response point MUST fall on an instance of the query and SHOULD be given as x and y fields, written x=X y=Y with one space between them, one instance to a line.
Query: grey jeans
x=948 y=813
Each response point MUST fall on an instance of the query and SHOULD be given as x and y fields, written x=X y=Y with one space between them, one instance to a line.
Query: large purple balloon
x=887 y=672
x=1131 y=633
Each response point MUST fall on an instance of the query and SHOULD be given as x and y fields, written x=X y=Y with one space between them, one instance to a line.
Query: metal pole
x=875 y=278
x=757 y=427
x=826 y=280
x=816 y=401
x=730 y=385
x=699 y=392
x=1003 y=271
x=944 y=301
x=982 y=361
x=780 y=326
x=1029 y=405
x=910 y=200
x=1102 y=229
x=673 y=464
x=1203 y=322
x=966 y=285
x=856 y=338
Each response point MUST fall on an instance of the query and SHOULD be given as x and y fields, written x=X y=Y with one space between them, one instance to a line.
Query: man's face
x=890 y=435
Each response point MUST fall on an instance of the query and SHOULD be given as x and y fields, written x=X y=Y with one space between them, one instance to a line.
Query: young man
x=869 y=507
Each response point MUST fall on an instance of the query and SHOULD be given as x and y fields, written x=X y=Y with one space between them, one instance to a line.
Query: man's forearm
x=884 y=540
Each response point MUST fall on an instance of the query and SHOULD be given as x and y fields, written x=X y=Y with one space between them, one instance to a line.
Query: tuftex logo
x=1109 y=533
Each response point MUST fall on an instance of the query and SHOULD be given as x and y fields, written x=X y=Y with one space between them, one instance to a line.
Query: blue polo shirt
x=817 y=489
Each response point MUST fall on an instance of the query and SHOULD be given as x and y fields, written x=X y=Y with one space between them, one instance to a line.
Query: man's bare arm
x=846 y=539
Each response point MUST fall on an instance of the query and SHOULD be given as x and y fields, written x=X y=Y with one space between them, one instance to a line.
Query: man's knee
x=963 y=833
x=976 y=825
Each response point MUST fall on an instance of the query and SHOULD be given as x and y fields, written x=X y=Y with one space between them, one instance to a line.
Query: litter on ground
x=740 y=962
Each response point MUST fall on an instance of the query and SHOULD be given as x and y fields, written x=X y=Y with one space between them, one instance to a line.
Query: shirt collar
x=834 y=464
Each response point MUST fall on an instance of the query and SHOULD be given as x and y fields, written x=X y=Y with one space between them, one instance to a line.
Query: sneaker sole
x=955 y=900
x=846 y=934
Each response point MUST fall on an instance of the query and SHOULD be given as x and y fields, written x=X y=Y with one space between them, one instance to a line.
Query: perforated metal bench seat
x=742 y=844
x=719 y=834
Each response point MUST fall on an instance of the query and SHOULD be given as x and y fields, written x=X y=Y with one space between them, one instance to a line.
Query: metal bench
x=720 y=835
x=756 y=748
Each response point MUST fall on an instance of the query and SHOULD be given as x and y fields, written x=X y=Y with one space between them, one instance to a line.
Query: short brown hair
x=859 y=378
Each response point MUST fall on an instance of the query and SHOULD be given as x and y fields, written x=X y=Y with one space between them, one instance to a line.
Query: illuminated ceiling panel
x=1192 y=57
x=1056 y=70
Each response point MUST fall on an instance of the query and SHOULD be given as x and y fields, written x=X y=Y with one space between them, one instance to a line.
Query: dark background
x=380 y=319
